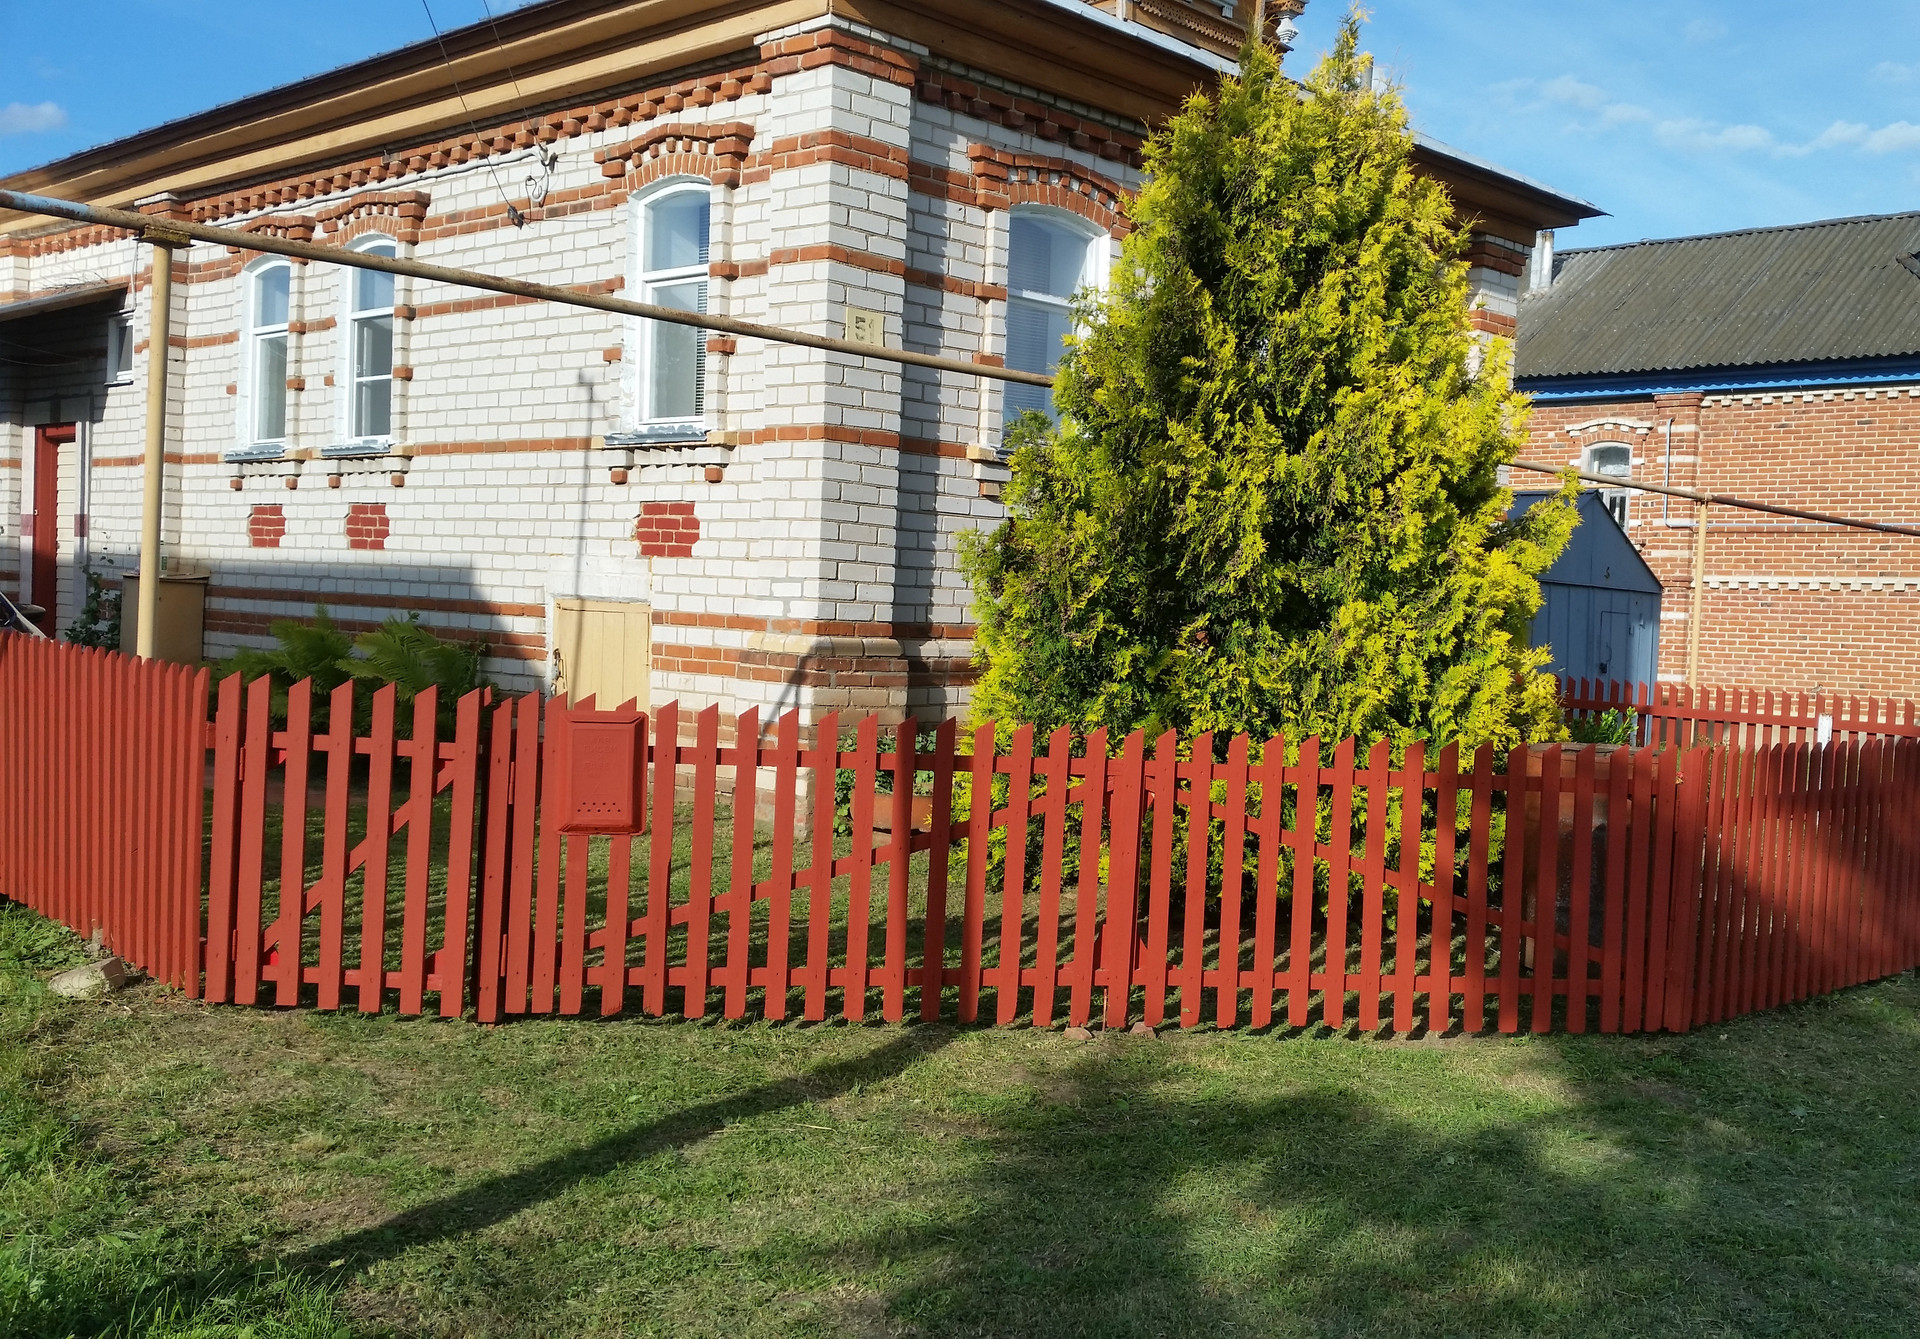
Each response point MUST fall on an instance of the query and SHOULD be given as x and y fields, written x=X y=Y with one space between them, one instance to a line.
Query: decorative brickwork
x=959 y=94
x=267 y=526
x=1006 y=179
x=717 y=152
x=666 y=530
x=367 y=526
x=395 y=214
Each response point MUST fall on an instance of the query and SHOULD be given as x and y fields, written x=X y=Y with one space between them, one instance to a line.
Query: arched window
x=263 y=421
x=1050 y=257
x=1614 y=459
x=672 y=245
x=369 y=346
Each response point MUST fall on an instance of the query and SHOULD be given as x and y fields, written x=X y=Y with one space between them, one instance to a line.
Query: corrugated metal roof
x=1814 y=292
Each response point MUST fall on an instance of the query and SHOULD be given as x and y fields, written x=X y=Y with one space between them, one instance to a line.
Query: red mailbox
x=606 y=772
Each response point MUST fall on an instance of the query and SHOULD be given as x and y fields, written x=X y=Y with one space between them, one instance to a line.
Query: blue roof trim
x=1844 y=372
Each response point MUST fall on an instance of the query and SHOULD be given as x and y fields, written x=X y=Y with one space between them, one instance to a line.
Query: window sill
x=660 y=434
x=356 y=450
x=254 y=454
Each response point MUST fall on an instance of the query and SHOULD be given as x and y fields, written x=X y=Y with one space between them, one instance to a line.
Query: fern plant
x=402 y=653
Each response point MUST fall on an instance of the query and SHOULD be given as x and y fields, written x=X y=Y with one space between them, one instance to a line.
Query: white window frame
x=1616 y=500
x=641 y=335
x=120 y=349
x=248 y=443
x=1094 y=272
x=354 y=442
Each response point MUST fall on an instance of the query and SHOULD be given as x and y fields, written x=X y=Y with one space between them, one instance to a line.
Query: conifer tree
x=1271 y=503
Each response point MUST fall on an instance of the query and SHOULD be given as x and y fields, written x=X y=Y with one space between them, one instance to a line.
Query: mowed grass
x=173 y=1169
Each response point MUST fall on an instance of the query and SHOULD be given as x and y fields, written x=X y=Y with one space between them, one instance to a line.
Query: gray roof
x=1811 y=293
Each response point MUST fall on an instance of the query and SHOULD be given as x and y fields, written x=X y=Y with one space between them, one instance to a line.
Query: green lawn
x=171 y=1169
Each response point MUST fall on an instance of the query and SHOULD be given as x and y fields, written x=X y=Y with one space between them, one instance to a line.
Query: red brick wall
x=367 y=525
x=1787 y=605
x=267 y=525
x=666 y=530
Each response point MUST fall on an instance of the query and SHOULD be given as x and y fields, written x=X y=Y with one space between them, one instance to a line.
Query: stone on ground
x=91 y=981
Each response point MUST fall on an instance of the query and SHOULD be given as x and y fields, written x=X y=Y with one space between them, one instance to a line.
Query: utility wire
x=514 y=215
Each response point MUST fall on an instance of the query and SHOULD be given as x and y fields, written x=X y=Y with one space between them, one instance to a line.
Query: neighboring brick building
x=767 y=525
x=1781 y=365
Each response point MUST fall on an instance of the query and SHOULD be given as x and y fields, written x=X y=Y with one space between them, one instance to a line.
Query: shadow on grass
x=487 y=1203
x=1126 y=1200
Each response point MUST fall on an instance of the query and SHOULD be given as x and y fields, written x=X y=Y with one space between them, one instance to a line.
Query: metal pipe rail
x=1722 y=500
x=174 y=232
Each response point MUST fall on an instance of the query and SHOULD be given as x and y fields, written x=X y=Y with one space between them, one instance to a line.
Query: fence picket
x=1122 y=922
x=933 y=956
x=699 y=905
x=1306 y=834
x=1163 y=783
x=744 y=757
x=786 y=782
x=1056 y=773
x=424 y=749
x=1373 y=868
x=1513 y=885
x=1271 y=777
x=1440 y=918
x=1473 y=999
x=1086 y=933
x=543 y=972
x=1580 y=895
x=973 y=920
x=1193 y=939
x=1545 y=903
x=853 y=997
x=1620 y=820
x=1339 y=887
x=1013 y=890
x=906 y=770
x=825 y=762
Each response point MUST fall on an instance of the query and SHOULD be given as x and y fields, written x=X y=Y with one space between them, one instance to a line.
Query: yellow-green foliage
x=1272 y=503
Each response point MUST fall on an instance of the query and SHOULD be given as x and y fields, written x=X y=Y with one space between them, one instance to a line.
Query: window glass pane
x=119 y=348
x=373 y=346
x=373 y=408
x=674 y=379
x=676 y=231
x=270 y=296
x=1045 y=257
x=1610 y=459
x=372 y=289
x=1036 y=335
x=270 y=389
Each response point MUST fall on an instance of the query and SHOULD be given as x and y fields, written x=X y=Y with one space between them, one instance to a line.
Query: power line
x=1723 y=500
x=518 y=219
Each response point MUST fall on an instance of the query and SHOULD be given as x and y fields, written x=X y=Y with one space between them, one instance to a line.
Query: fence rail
x=364 y=853
x=1682 y=716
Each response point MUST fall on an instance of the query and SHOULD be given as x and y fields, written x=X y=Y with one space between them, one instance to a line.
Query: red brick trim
x=1006 y=179
x=966 y=288
x=666 y=530
x=671 y=618
x=199 y=341
x=827 y=46
x=717 y=152
x=1501 y=257
x=829 y=146
x=860 y=260
x=397 y=214
x=1494 y=323
x=267 y=526
x=456 y=306
x=367 y=525
x=1023 y=114
x=352 y=600
x=821 y=432
x=310 y=327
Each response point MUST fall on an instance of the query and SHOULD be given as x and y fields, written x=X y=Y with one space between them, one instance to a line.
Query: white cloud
x=1706 y=137
x=1597 y=112
x=1702 y=31
x=21 y=118
x=1893 y=72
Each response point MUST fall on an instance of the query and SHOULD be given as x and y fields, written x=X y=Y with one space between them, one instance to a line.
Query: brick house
x=1778 y=364
x=612 y=507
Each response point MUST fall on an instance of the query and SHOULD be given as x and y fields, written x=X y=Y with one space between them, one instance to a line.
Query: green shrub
x=1608 y=727
x=99 y=620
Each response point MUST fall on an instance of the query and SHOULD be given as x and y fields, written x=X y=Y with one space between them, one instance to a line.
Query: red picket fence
x=1616 y=889
x=526 y=857
x=101 y=764
x=1682 y=716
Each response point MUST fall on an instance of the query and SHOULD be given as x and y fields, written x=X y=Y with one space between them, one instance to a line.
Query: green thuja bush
x=1272 y=501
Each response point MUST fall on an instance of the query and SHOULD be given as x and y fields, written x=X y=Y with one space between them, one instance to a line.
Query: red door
x=43 y=523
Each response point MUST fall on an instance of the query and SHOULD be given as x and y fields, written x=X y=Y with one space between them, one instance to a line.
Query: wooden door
x=43 y=522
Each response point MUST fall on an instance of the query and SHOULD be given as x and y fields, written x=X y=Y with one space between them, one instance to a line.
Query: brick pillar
x=835 y=139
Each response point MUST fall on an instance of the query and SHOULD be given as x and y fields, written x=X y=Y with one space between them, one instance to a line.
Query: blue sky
x=1676 y=116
